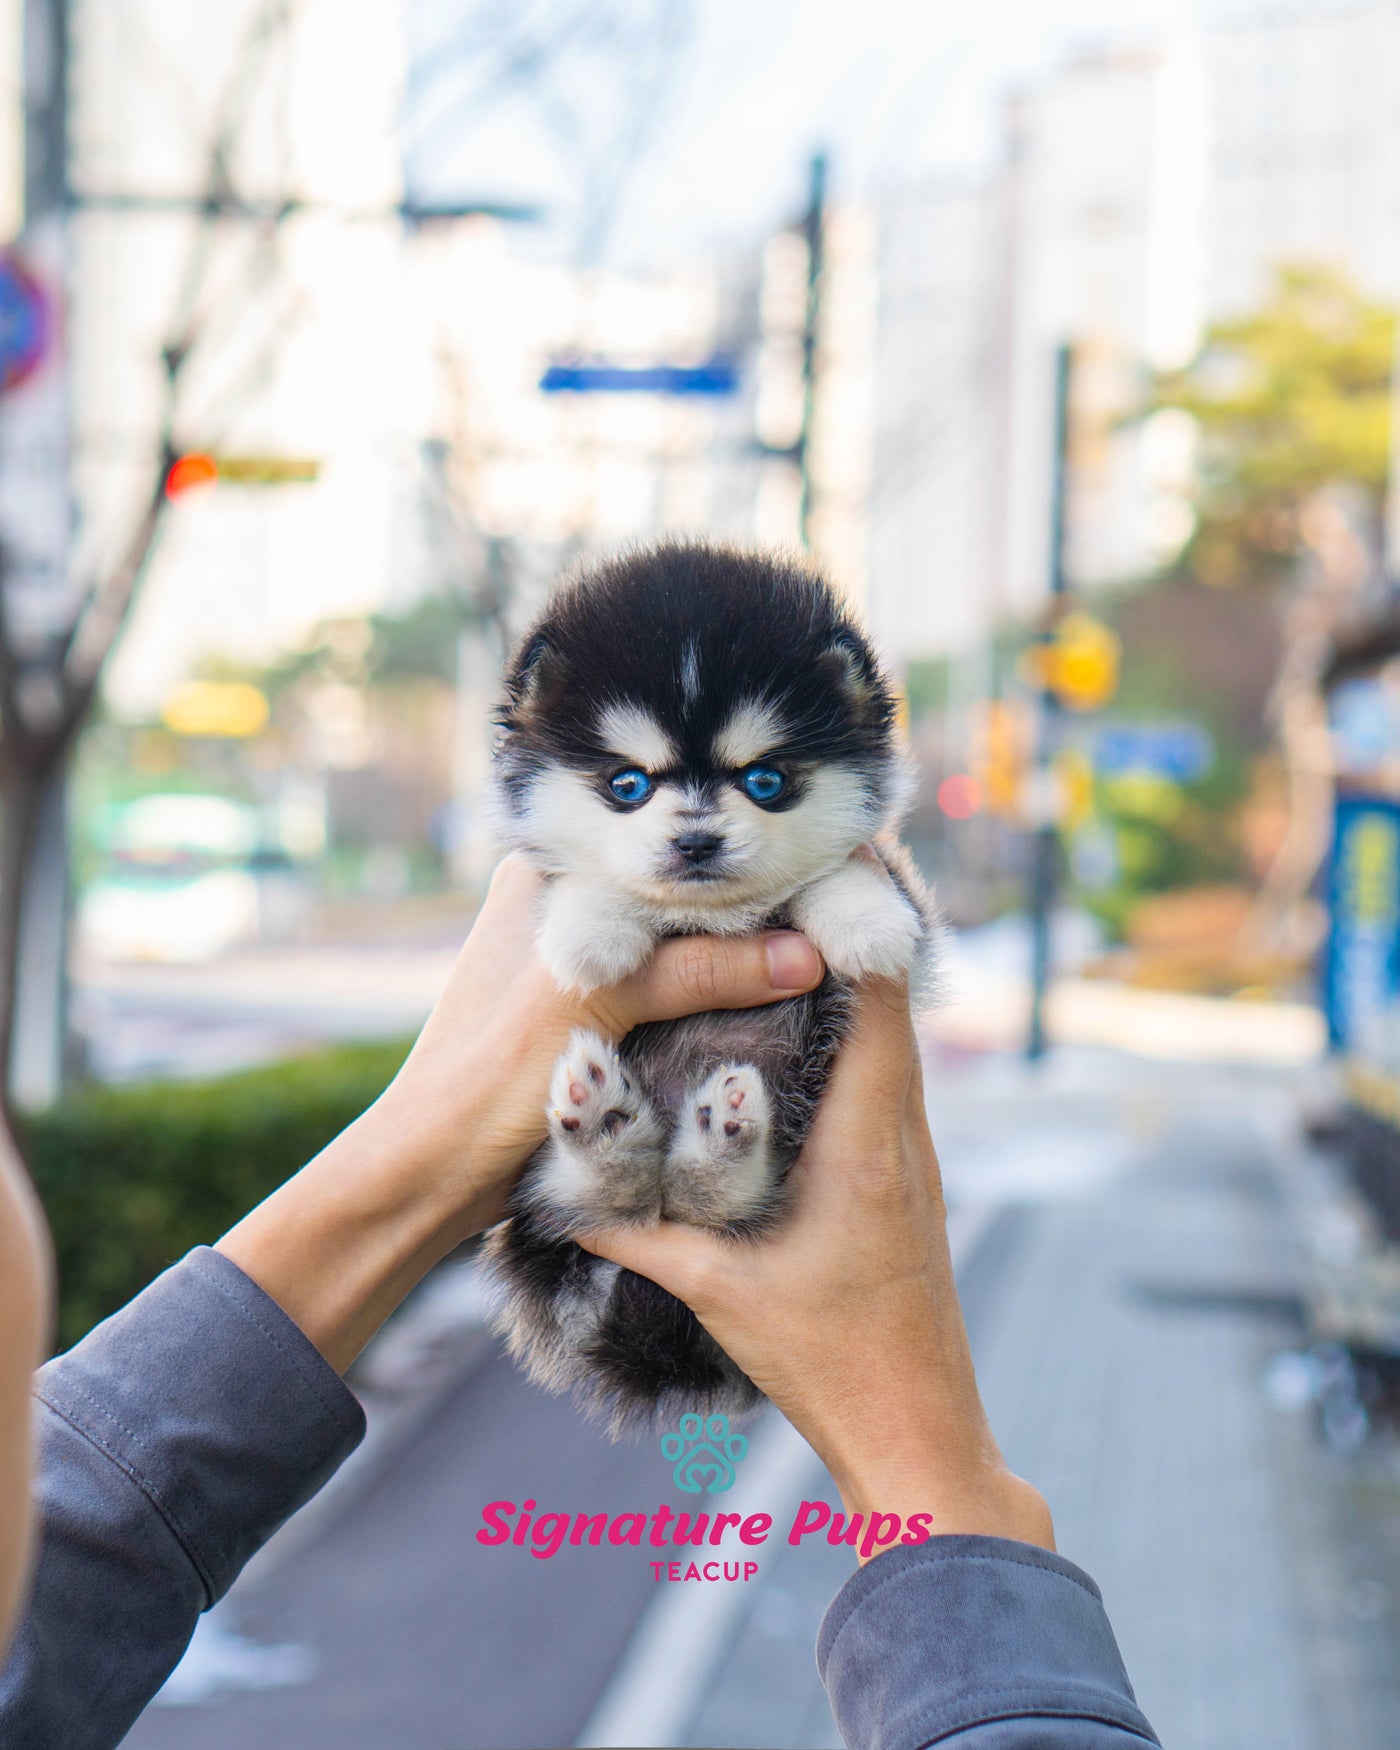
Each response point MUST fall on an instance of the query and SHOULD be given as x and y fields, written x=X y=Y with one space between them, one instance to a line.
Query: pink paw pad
x=591 y=1095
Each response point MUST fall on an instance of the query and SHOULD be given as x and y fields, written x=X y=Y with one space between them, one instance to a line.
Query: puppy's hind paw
x=718 y=1169
x=731 y=1112
x=605 y=1141
x=592 y=1099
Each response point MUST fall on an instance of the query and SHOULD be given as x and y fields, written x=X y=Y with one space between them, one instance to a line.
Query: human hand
x=474 y=1090
x=25 y=1290
x=846 y=1315
x=433 y=1160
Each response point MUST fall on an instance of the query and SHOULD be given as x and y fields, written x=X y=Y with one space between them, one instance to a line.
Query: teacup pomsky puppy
x=693 y=739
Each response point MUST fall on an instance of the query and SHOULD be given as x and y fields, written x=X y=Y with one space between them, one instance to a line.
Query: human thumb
x=690 y=974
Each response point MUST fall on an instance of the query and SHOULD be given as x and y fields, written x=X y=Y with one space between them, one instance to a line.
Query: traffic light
x=1001 y=748
x=189 y=472
x=1074 y=777
x=959 y=796
x=1079 y=664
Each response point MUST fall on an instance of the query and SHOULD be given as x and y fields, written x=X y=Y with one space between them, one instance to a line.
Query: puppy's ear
x=858 y=678
x=853 y=668
x=527 y=673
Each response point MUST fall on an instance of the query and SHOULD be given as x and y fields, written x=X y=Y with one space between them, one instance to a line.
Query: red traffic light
x=189 y=472
x=960 y=796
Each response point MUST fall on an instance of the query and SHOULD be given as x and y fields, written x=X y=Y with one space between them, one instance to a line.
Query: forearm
x=343 y=1241
x=174 y=1439
x=913 y=1438
x=956 y=1489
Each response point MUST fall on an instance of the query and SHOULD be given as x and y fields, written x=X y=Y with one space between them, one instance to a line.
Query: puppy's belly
x=790 y=1044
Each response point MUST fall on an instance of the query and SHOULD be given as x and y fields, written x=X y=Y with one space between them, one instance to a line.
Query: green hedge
x=132 y=1177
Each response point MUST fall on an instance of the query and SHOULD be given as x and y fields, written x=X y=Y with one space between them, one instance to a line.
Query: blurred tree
x=46 y=694
x=1292 y=407
x=1289 y=402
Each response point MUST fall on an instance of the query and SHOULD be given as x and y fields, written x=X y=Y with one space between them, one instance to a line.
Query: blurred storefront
x=1361 y=975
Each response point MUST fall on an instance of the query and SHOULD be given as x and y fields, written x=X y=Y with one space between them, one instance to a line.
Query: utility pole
x=1045 y=848
x=36 y=576
x=814 y=231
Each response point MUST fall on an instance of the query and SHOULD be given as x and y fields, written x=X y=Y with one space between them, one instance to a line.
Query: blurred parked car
x=186 y=877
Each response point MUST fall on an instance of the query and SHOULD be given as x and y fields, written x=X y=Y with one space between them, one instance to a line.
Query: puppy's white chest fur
x=591 y=934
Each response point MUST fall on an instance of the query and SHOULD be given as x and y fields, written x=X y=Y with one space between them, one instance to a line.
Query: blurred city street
x=250 y=1008
x=1133 y=1241
x=1062 y=344
x=257 y=1004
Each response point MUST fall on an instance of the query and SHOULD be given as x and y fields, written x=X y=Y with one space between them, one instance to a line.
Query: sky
x=897 y=91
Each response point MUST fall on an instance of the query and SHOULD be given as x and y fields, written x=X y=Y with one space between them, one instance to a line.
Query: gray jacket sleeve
x=978 y=1642
x=173 y=1441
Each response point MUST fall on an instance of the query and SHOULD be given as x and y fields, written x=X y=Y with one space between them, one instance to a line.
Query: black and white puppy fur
x=693 y=739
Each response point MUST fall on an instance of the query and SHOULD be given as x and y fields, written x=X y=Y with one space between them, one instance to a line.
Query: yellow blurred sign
x=268 y=470
x=1001 y=749
x=1074 y=778
x=230 y=708
x=1079 y=665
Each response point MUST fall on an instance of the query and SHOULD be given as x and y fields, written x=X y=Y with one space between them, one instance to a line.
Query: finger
x=883 y=1029
x=873 y=1068
x=693 y=973
x=669 y=1254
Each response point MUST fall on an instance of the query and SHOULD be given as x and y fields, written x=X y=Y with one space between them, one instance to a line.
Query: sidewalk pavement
x=1137 y=1281
x=1130 y=1239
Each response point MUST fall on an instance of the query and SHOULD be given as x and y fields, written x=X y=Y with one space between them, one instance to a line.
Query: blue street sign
x=1180 y=751
x=25 y=321
x=1365 y=724
x=716 y=376
x=1362 y=971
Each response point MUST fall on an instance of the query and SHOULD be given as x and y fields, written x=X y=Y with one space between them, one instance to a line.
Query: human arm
x=24 y=1298
x=847 y=1316
x=178 y=1435
x=172 y=1442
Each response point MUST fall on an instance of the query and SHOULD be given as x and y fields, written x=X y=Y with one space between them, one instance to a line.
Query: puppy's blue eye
x=763 y=783
x=633 y=785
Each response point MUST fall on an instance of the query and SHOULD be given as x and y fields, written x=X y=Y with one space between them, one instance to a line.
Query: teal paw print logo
x=704 y=1453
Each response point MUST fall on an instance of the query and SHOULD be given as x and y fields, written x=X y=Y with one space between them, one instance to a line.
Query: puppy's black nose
x=698 y=847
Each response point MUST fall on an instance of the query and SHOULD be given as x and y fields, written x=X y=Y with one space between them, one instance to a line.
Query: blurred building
x=1140 y=194
x=940 y=368
x=236 y=179
x=1091 y=230
x=240 y=194
x=552 y=473
x=11 y=120
x=358 y=383
x=1303 y=148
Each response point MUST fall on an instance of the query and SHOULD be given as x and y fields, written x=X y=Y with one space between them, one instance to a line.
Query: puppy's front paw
x=586 y=944
x=719 y=1166
x=605 y=1153
x=859 y=922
